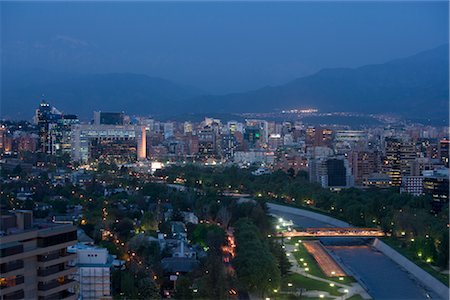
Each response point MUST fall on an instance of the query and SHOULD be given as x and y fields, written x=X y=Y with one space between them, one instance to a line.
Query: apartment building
x=34 y=258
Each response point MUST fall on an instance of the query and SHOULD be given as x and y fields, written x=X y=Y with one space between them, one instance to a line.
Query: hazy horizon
x=215 y=46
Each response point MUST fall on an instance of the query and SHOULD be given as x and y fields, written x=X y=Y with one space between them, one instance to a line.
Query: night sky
x=216 y=46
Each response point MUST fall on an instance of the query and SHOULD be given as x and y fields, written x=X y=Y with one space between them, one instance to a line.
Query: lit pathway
x=353 y=289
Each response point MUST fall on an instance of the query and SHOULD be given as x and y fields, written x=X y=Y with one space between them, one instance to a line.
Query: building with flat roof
x=93 y=271
x=34 y=258
x=122 y=143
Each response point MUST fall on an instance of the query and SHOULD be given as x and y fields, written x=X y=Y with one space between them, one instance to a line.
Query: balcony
x=12 y=250
x=54 y=258
x=10 y=285
x=12 y=266
x=55 y=272
x=54 y=286
x=14 y=295
x=11 y=281
x=60 y=295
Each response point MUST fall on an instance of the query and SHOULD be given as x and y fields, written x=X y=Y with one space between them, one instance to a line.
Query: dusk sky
x=219 y=47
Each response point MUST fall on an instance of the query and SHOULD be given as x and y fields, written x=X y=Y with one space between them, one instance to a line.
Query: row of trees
x=257 y=269
x=407 y=217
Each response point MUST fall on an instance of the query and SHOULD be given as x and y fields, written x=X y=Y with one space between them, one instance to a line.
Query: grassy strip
x=411 y=255
x=299 y=281
x=391 y=241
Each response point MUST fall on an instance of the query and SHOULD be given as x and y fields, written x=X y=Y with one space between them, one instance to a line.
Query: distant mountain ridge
x=82 y=94
x=415 y=87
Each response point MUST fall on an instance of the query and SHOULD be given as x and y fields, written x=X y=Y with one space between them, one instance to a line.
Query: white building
x=84 y=135
x=94 y=271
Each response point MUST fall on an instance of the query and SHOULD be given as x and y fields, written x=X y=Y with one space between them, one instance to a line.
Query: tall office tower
x=363 y=163
x=234 y=126
x=34 y=258
x=263 y=127
x=228 y=145
x=60 y=135
x=252 y=136
x=109 y=118
x=142 y=143
x=191 y=142
x=207 y=142
x=45 y=116
x=336 y=172
x=443 y=151
x=188 y=127
x=168 y=130
x=93 y=271
x=400 y=155
x=317 y=157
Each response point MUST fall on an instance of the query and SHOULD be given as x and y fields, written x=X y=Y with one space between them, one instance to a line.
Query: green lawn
x=411 y=255
x=298 y=281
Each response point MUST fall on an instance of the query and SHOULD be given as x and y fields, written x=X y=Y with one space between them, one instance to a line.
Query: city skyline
x=195 y=150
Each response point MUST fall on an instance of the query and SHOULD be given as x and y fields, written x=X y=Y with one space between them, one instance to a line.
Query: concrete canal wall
x=309 y=214
x=421 y=276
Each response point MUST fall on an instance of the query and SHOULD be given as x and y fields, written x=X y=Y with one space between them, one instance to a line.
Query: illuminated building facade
x=60 y=139
x=108 y=142
x=399 y=159
x=444 y=151
x=436 y=184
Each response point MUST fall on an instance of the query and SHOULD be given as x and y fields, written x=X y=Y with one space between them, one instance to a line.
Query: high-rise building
x=234 y=126
x=45 y=117
x=168 y=130
x=317 y=157
x=34 y=258
x=363 y=163
x=228 y=145
x=400 y=155
x=338 y=173
x=252 y=136
x=119 y=143
x=60 y=139
x=263 y=127
x=207 y=142
x=444 y=151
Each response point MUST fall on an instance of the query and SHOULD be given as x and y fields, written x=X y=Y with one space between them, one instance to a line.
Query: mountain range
x=413 y=87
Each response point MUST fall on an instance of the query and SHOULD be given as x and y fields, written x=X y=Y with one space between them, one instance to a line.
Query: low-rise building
x=93 y=271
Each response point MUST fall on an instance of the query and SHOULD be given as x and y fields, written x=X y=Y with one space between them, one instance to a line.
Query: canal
x=382 y=277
